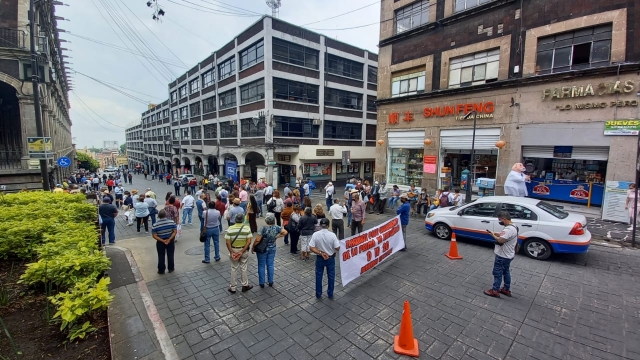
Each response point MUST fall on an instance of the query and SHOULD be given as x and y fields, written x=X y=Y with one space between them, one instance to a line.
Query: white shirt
x=325 y=241
x=198 y=193
x=459 y=201
x=268 y=190
x=151 y=202
x=337 y=211
x=306 y=189
x=329 y=190
x=188 y=201
x=119 y=190
x=508 y=249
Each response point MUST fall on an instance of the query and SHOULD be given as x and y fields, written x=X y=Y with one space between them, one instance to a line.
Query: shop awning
x=461 y=139
x=578 y=153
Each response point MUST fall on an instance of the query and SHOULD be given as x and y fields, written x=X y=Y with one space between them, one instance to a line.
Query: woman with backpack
x=293 y=227
x=265 y=247
x=276 y=205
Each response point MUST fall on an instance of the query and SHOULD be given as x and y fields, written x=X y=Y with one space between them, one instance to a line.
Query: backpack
x=271 y=205
x=517 y=247
x=444 y=200
x=293 y=225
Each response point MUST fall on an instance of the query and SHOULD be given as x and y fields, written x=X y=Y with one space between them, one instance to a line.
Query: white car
x=543 y=228
x=188 y=176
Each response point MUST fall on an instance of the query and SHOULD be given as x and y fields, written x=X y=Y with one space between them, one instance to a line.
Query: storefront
x=317 y=171
x=405 y=154
x=346 y=172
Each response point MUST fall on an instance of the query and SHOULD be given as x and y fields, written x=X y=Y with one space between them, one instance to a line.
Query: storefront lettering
x=408 y=116
x=608 y=88
x=579 y=193
x=393 y=118
x=601 y=105
x=541 y=189
x=460 y=109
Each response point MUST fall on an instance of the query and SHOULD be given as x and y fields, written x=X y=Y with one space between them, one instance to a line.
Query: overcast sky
x=93 y=19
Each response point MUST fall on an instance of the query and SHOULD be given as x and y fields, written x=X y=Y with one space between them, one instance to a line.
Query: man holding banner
x=325 y=244
x=404 y=211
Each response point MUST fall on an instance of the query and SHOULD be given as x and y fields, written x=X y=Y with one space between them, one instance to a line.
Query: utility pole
x=36 y=91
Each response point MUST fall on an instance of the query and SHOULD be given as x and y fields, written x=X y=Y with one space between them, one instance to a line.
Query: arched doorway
x=186 y=165
x=167 y=166
x=11 y=130
x=252 y=160
x=212 y=163
x=176 y=166
x=156 y=168
x=199 y=166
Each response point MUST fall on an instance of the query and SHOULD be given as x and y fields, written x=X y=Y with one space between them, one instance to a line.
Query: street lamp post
x=470 y=179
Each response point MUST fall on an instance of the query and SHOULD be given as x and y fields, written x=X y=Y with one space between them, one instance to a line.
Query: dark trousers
x=330 y=264
x=177 y=189
x=266 y=199
x=277 y=215
x=144 y=220
x=169 y=250
x=329 y=201
x=294 y=237
x=337 y=226
x=356 y=225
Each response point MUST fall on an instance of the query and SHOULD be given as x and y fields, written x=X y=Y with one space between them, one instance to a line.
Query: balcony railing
x=10 y=160
x=12 y=38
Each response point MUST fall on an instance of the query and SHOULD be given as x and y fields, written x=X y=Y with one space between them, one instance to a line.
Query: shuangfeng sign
x=361 y=253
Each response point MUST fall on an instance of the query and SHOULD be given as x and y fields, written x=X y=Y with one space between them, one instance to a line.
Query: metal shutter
x=406 y=139
x=461 y=139
x=579 y=152
x=544 y=152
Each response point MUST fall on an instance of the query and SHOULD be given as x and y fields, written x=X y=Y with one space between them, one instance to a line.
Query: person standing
x=337 y=212
x=348 y=197
x=142 y=213
x=165 y=231
x=108 y=213
x=238 y=238
x=130 y=177
x=259 y=195
x=96 y=183
x=128 y=203
x=212 y=219
x=168 y=178
x=424 y=202
x=244 y=198
x=325 y=244
x=268 y=193
x=404 y=210
x=153 y=174
x=287 y=190
x=279 y=206
x=201 y=206
x=293 y=228
x=153 y=207
x=358 y=214
x=119 y=192
x=630 y=204
x=413 y=195
x=171 y=209
x=192 y=185
x=269 y=234
x=505 y=251
x=307 y=189
x=307 y=227
x=176 y=187
x=329 y=190
x=188 y=203
x=252 y=212
x=150 y=193
x=234 y=211
x=110 y=183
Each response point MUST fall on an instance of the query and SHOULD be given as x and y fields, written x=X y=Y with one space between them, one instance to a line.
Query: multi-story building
x=278 y=101
x=134 y=145
x=17 y=113
x=552 y=83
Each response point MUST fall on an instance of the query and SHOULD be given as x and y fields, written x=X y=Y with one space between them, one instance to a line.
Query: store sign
x=429 y=166
x=541 y=189
x=579 y=193
x=324 y=152
x=40 y=147
x=601 y=89
x=562 y=152
x=622 y=127
x=483 y=111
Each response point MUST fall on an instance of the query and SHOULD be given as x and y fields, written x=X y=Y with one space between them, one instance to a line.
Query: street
x=570 y=307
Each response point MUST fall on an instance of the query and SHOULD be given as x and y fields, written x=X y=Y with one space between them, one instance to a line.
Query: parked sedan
x=543 y=228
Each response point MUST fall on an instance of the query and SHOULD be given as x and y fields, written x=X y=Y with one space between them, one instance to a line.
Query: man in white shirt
x=337 y=212
x=306 y=188
x=287 y=190
x=153 y=207
x=119 y=192
x=505 y=250
x=268 y=192
x=188 y=203
x=96 y=183
x=329 y=190
x=325 y=244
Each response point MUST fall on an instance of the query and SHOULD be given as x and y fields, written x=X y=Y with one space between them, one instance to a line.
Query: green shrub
x=66 y=269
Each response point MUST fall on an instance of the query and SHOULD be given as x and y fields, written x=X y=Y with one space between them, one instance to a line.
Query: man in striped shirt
x=164 y=231
x=238 y=238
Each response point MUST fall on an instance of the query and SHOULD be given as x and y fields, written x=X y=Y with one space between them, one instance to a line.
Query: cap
x=403 y=195
x=324 y=222
x=236 y=201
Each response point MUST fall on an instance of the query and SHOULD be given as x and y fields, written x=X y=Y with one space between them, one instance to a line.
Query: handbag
x=261 y=247
x=203 y=233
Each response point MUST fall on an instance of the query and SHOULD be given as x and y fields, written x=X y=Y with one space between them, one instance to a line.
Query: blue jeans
x=201 y=222
x=153 y=218
x=110 y=225
x=330 y=264
x=266 y=260
x=500 y=271
x=243 y=205
x=260 y=207
x=348 y=216
x=392 y=202
x=329 y=202
x=193 y=189
x=187 y=212
x=212 y=234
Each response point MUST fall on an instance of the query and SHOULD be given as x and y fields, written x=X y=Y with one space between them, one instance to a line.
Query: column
x=221 y=169
x=241 y=168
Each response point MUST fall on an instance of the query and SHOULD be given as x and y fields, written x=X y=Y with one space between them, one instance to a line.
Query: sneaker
x=505 y=292
x=492 y=293
x=205 y=261
x=270 y=284
x=247 y=288
x=231 y=291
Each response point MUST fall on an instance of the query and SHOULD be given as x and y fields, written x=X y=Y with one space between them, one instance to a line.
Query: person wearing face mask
x=505 y=250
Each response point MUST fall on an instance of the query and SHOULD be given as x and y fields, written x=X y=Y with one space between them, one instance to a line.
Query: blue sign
x=64 y=162
x=230 y=169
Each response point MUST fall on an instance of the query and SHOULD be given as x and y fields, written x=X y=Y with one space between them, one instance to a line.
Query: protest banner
x=361 y=253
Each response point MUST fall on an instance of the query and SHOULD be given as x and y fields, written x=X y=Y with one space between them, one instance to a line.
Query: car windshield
x=553 y=210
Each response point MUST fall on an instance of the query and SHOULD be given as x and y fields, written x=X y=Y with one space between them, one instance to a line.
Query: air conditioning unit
x=233 y=122
x=317 y=122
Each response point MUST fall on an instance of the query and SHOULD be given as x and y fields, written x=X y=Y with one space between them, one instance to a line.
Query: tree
x=86 y=162
x=123 y=149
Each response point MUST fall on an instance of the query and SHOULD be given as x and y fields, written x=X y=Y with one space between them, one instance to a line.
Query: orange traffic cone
x=405 y=343
x=453 y=249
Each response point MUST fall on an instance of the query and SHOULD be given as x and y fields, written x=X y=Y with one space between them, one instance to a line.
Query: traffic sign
x=64 y=162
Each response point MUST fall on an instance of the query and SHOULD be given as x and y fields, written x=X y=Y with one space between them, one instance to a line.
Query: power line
x=191 y=32
x=87 y=107
x=349 y=28
x=113 y=87
x=230 y=7
x=349 y=12
x=210 y=10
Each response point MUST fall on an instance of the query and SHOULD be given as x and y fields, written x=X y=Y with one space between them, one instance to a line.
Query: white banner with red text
x=361 y=253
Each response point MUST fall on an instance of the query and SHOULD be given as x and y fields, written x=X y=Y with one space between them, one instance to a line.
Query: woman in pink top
x=629 y=203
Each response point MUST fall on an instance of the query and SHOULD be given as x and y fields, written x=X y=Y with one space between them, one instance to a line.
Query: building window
x=196 y=132
x=408 y=84
x=182 y=91
x=295 y=127
x=194 y=109
x=165 y=113
x=342 y=130
x=174 y=96
x=227 y=130
x=184 y=113
x=412 y=16
x=462 y=5
x=174 y=115
x=175 y=133
x=371 y=104
x=474 y=69
x=343 y=67
x=295 y=54
x=208 y=78
x=194 y=86
x=372 y=74
x=209 y=105
x=252 y=91
x=252 y=55
x=184 y=134
x=166 y=130
x=227 y=68
x=580 y=49
x=228 y=99
x=295 y=91
x=211 y=131
x=342 y=99
x=249 y=129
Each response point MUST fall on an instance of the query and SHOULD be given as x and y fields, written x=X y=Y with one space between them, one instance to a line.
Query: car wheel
x=537 y=249
x=442 y=231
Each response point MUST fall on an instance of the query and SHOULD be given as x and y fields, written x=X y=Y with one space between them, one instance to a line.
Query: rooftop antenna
x=275 y=7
